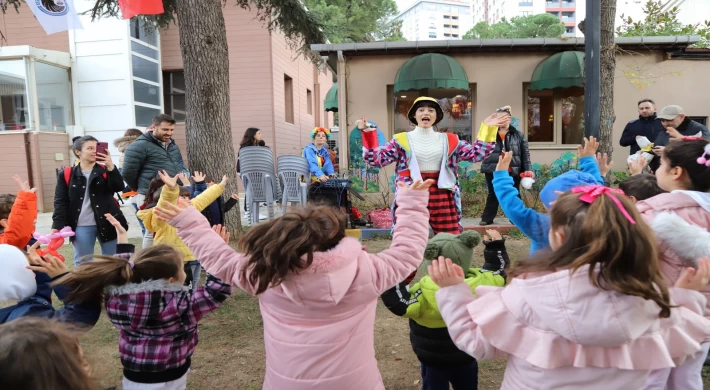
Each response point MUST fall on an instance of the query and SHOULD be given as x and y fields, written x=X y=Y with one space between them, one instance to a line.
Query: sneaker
x=484 y=223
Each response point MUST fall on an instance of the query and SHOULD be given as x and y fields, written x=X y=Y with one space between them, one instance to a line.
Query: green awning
x=561 y=70
x=430 y=71
x=331 y=99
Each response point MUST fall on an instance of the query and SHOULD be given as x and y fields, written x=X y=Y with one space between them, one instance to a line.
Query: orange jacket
x=21 y=222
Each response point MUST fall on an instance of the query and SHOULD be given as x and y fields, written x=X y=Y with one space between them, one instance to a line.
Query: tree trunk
x=203 y=42
x=607 y=57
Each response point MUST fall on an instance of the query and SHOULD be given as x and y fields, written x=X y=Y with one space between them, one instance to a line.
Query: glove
x=527 y=179
x=495 y=257
x=487 y=133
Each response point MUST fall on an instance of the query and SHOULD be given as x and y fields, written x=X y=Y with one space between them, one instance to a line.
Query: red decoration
x=52 y=248
x=381 y=219
x=131 y=8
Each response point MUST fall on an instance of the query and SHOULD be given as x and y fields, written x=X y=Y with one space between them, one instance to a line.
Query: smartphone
x=102 y=147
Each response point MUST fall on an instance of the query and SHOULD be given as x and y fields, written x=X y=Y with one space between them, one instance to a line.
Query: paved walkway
x=44 y=221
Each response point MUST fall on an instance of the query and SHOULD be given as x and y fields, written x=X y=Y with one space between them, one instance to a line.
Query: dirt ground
x=231 y=350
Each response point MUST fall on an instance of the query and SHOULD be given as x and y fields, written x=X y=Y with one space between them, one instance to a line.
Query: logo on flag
x=52 y=7
x=55 y=15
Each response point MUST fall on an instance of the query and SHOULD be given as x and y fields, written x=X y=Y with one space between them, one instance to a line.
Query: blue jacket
x=40 y=304
x=216 y=210
x=311 y=153
x=533 y=224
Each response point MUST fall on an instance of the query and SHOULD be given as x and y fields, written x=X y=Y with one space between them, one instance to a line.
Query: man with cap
x=423 y=154
x=677 y=126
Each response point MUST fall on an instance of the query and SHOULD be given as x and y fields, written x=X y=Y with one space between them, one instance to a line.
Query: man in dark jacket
x=647 y=125
x=509 y=139
x=152 y=152
x=677 y=126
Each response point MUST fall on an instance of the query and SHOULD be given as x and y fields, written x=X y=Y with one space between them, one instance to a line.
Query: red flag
x=131 y=8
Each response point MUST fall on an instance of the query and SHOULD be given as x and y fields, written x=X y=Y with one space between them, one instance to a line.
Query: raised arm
x=218 y=258
x=375 y=154
x=21 y=221
x=209 y=297
x=394 y=264
x=403 y=302
x=484 y=145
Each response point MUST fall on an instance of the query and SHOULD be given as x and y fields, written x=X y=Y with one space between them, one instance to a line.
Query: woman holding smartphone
x=84 y=195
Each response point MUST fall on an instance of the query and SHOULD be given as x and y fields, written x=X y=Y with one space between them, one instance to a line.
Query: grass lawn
x=231 y=350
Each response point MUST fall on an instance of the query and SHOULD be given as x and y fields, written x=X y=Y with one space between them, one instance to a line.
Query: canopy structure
x=430 y=71
x=561 y=70
x=331 y=99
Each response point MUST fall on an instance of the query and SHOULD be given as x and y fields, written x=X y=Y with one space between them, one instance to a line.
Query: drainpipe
x=343 y=133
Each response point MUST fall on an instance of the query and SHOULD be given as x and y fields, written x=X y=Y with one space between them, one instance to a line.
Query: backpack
x=67 y=174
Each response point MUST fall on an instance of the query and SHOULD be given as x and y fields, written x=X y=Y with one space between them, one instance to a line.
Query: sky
x=402 y=4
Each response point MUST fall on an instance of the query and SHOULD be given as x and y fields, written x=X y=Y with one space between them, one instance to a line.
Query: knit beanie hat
x=458 y=248
x=17 y=282
x=564 y=183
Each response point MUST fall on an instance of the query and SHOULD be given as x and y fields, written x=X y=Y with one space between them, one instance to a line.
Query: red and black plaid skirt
x=443 y=215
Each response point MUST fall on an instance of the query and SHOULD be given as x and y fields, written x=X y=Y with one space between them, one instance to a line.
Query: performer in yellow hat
x=424 y=153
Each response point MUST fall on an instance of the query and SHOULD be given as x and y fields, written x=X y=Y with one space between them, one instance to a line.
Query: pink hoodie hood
x=328 y=279
x=569 y=305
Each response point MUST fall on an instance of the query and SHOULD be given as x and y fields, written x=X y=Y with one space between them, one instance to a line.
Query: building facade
x=114 y=75
x=431 y=20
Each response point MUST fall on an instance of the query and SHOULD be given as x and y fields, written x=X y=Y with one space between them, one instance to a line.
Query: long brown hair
x=86 y=282
x=275 y=248
x=600 y=236
x=40 y=354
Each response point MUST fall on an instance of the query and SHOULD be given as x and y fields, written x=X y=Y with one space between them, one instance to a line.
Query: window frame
x=133 y=78
x=557 y=124
x=289 y=111
x=169 y=92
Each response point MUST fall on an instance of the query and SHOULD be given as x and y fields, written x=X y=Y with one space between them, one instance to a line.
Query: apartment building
x=430 y=20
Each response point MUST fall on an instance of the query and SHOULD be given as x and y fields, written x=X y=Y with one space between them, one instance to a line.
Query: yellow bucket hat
x=429 y=102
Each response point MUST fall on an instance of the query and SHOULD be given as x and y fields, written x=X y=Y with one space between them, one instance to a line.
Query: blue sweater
x=534 y=225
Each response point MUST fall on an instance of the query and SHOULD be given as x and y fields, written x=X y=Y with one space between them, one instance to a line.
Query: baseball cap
x=670 y=112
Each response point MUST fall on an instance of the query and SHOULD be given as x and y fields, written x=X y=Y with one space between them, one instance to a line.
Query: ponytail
x=276 y=248
x=86 y=283
x=687 y=154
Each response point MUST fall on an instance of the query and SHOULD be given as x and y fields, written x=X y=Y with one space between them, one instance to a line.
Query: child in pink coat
x=594 y=313
x=317 y=289
x=685 y=175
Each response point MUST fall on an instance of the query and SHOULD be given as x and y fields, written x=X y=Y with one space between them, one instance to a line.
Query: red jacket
x=21 y=222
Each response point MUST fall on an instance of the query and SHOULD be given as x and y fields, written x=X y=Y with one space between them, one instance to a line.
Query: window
x=14 y=109
x=703 y=120
x=432 y=35
x=525 y=3
x=454 y=35
x=146 y=73
x=54 y=97
x=175 y=95
x=457 y=105
x=447 y=35
x=309 y=102
x=555 y=116
x=569 y=30
x=288 y=99
x=526 y=13
x=455 y=27
x=447 y=17
x=455 y=17
x=447 y=26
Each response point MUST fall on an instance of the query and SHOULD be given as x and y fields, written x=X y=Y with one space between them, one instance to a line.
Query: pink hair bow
x=591 y=193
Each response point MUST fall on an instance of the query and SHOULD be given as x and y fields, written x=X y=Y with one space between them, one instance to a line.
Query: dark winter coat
x=145 y=157
x=103 y=184
x=688 y=128
x=514 y=142
x=649 y=127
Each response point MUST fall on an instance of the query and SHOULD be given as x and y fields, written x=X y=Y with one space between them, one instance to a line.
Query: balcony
x=525 y=4
x=568 y=19
x=552 y=4
x=569 y=4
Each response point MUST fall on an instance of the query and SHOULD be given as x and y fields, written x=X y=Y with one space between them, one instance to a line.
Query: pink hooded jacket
x=560 y=332
x=319 y=324
x=681 y=244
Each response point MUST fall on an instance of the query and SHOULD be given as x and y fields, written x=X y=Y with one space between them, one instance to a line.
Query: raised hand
x=504 y=161
x=492 y=235
x=695 y=279
x=362 y=123
x=183 y=179
x=171 y=182
x=418 y=185
x=170 y=211
x=23 y=185
x=50 y=265
x=224 y=181
x=120 y=230
x=590 y=147
x=445 y=273
x=637 y=165
x=674 y=134
x=604 y=166
x=222 y=231
x=493 y=120
x=198 y=177
x=235 y=196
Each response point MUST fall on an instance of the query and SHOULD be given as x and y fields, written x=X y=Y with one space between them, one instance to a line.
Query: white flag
x=55 y=15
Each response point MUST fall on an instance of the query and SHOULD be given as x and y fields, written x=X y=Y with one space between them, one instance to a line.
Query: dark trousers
x=491 y=209
x=460 y=377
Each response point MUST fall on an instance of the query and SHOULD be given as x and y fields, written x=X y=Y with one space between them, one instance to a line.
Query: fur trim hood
x=123 y=142
x=151 y=285
x=328 y=278
x=690 y=242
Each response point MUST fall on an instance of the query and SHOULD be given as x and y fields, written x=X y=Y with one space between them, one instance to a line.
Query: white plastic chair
x=293 y=177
